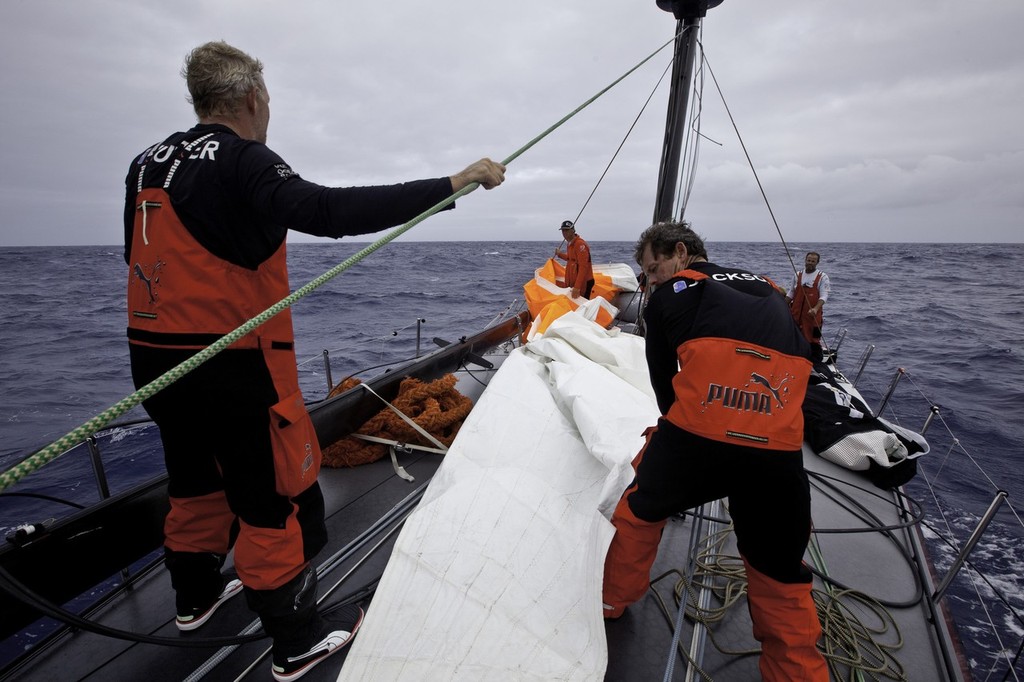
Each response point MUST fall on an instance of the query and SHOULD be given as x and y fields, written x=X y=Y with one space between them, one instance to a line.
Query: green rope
x=586 y=104
x=61 y=445
x=52 y=451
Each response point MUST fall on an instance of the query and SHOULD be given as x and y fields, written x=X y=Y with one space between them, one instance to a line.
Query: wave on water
x=68 y=317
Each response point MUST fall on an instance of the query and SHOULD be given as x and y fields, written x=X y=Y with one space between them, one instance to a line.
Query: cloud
x=850 y=117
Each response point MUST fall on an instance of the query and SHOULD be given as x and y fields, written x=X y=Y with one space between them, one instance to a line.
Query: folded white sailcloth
x=497 y=574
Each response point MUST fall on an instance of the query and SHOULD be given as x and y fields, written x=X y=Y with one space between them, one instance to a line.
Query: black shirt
x=239 y=199
x=675 y=314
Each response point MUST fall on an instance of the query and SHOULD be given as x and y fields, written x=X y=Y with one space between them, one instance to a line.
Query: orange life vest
x=738 y=391
x=805 y=298
x=181 y=295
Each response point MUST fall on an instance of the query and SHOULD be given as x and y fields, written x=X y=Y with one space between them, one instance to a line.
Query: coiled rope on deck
x=434 y=406
x=50 y=452
x=858 y=631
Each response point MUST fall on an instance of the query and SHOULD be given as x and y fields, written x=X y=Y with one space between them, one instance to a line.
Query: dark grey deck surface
x=355 y=498
x=640 y=643
x=867 y=562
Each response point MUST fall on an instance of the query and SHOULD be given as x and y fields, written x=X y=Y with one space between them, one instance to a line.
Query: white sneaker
x=196 y=619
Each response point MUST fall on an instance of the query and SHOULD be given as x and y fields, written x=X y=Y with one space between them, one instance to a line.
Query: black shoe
x=196 y=617
x=336 y=631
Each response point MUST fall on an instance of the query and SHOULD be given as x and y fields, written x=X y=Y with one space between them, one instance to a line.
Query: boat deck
x=356 y=500
x=875 y=598
x=860 y=542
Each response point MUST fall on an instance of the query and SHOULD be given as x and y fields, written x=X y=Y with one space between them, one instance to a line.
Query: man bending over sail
x=729 y=370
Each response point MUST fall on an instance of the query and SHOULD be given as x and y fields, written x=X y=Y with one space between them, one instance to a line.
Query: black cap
x=567 y=225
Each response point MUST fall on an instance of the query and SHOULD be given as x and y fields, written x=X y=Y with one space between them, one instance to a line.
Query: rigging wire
x=691 y=145
x=750 y=163
x=80 y=433
x=621 y=144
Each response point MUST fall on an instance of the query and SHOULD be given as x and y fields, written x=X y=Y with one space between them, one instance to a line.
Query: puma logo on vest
x=757 y=378
x=148 y=281
x=746 y=401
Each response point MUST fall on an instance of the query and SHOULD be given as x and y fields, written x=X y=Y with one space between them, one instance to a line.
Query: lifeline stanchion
x=865 y=356
x=327 y=370
x=971 y=542
x=892 y=388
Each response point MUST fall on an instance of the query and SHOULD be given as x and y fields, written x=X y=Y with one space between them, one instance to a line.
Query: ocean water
x=951 y=315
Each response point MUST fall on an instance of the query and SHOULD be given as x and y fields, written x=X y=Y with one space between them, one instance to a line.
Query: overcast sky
x=865 y=121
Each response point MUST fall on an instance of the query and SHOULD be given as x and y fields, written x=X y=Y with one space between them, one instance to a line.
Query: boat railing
x=325 y=355
x=511 y=310
x=31 y=517
x=958 y=562
x=979 y=531
x=986 y=519
x=864 y=357
x=99 y=473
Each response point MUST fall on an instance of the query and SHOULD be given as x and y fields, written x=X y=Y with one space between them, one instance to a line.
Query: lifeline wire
x=47 y=454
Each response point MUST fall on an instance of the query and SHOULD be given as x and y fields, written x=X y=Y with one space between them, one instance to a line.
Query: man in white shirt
x=807 y=297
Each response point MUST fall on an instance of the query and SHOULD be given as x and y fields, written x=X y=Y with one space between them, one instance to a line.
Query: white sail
x=497 y=574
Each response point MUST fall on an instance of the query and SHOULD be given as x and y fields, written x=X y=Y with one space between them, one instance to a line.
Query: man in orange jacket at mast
x=579 y=273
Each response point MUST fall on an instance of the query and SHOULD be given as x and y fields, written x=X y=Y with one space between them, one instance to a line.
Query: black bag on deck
x=839 y=427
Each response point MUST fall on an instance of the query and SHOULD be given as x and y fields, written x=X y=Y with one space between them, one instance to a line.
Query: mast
x=688 y=14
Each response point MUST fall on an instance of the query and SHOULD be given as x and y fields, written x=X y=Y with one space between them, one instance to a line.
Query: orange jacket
x=181 y=295
x=578 y=268
x=742 y=376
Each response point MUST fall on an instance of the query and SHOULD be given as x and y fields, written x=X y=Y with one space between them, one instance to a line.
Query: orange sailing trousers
x=236 y=456
x=770 y=504
x=786 y=624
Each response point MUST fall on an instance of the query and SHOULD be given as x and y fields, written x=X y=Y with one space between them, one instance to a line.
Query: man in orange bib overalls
x=729 y=370
x=206 y=215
